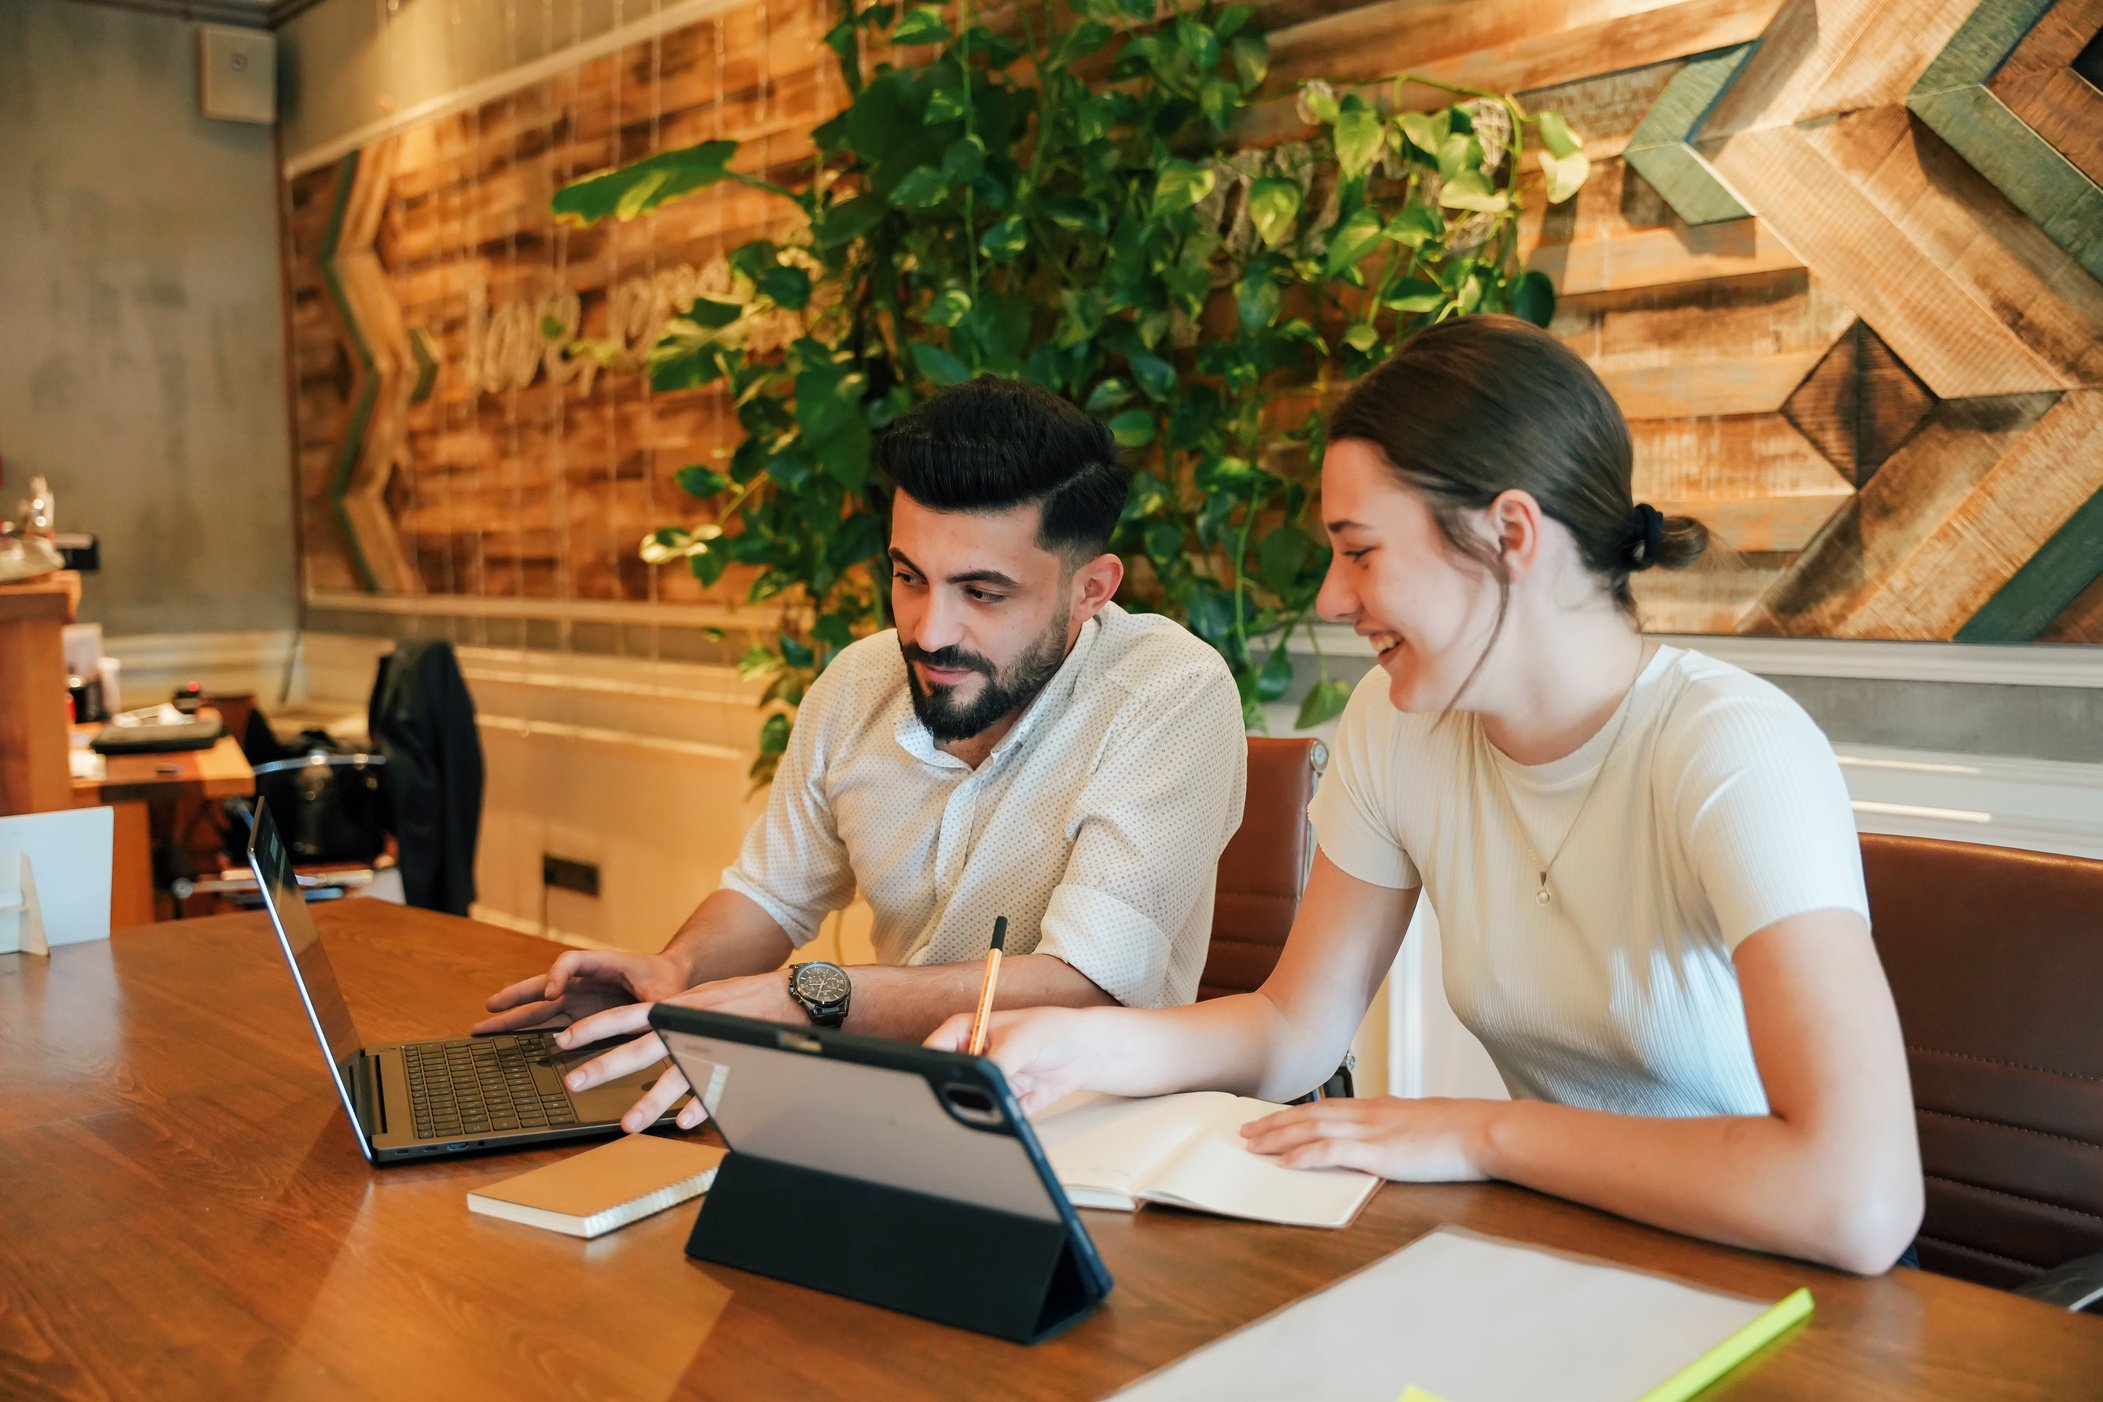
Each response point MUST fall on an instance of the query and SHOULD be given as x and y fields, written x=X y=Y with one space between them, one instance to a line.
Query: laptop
x=417 y=1100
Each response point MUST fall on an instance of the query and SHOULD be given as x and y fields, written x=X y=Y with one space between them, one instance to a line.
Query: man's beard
x=1006 y=689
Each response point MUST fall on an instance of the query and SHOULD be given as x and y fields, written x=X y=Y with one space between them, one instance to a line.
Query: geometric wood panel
x=1845 y=333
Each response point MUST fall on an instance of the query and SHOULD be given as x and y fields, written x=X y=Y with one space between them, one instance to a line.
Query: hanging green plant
x=1083 y=220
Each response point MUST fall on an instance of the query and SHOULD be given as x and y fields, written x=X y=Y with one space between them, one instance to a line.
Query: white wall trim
x=1996 y=664
x=552 y=610
x=510 y=80
x=152 y=665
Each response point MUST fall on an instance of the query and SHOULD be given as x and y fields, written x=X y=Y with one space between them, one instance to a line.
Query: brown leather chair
x=1995 y=958
x=1264 y=868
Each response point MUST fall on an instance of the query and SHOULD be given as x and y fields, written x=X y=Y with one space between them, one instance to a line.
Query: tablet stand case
x=978 y=1268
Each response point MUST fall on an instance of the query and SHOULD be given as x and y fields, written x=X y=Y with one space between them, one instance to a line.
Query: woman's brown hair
x=1481 y=405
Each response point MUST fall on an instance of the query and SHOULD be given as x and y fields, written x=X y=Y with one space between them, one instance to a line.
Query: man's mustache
x=949 y=659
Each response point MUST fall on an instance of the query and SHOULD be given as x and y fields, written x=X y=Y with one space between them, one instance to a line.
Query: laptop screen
x=272 y=863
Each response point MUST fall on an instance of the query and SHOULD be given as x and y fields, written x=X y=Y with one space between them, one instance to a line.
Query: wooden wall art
x=1841 y=262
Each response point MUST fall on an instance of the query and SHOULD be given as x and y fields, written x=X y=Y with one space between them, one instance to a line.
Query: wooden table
x=183 y=1213
x=145 y=791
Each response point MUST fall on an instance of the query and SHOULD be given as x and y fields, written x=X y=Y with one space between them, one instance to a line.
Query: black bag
x=326 y=800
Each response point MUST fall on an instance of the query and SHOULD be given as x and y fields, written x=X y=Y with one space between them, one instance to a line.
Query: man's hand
x=1411 y=1141
x=579 y=984
x=764 y=996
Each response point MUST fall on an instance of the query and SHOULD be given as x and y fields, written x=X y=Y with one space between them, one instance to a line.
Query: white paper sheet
x=1468 y=1319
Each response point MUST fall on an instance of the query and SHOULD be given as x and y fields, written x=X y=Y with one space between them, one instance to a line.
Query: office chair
x=1262 y=873
x=1995 y=958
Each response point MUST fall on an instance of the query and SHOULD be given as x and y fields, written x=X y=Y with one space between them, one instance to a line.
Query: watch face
x=821 y=983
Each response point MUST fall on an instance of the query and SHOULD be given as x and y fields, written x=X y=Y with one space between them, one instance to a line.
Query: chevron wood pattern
x=1866 y=366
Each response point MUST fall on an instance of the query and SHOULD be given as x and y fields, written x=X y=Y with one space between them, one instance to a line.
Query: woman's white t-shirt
x=1719 y=811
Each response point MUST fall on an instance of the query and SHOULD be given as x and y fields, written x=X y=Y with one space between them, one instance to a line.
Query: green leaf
x=1471 y=189
x=1181 y=185
x=1533 y=298
x=1107 y=396
x=1219 y=99
x=1361 y=337
x=1164 y=542
x=1199 y=44
x=1360 y=135
x=707 y=566
x=774 y=735
x=1256 y=301
x=1460 y=154
x=937 y=364
x=757 y=661
x=846 y=222
x=1274 y=202
x=964 y=159
x=948 y=308
x=1414 y=294
x=795 y=653
x=922 y=25
x=642 y=187
x=1566 y=174
x=1155 y=375
x=1557 y=136
x=1251 y=57
x=1324 y=701
x=713 y=313
x=1319 y=100
x=1075 y=214
x=922 y=187
x=1425 y=131
x=1416 y=225
x=700 y=481
x=1281 y=556
x=1276 y=677
x=1134 y=428
x=1005 y=240
x=832 y=630
x=1353 y=239
x=786 y=286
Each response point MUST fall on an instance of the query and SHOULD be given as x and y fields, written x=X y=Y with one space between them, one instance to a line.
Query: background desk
x=183 y=1212
x=146 y=792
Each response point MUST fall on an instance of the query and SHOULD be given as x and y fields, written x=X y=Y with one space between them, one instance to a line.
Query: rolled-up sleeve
x=1133 y=907
x=793 y=864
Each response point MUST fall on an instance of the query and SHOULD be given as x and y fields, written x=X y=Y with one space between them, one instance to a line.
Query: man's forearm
x=909 y=1003
x=727 y=936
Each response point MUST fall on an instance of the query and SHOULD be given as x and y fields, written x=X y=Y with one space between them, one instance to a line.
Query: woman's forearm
x=1220 y=1044
x=1754 y=1181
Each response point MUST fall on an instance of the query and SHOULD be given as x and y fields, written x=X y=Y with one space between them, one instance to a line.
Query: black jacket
x=423 y=721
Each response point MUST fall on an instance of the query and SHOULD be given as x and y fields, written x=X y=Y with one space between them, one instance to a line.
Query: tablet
x=884 y=1171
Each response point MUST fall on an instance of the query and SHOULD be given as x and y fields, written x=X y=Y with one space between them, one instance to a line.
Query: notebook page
x=1216 y=1172
x=1103 y=1149
x=1468 y=1319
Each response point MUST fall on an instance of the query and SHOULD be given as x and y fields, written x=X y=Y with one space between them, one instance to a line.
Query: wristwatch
x=823 y=990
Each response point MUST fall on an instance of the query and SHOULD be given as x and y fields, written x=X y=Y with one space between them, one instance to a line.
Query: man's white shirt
x=1095 y=826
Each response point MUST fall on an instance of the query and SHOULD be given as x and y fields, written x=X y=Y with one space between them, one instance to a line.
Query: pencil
x=984 y=1015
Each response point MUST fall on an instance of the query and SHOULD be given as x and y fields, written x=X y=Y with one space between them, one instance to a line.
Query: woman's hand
x=1410 y=1141
x=1045 y=1053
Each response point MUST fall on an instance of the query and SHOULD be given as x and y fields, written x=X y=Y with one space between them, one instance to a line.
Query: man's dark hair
x=991 y=444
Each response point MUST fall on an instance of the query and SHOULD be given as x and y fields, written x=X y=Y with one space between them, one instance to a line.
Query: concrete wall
x=141 y=332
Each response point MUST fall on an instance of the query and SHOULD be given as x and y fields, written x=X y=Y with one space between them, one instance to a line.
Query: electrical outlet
x=569 y=874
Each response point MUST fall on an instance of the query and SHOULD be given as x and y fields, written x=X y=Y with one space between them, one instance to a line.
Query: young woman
x=1643 y=861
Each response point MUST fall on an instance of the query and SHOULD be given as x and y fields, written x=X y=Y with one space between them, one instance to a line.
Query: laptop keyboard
x=484 y=1084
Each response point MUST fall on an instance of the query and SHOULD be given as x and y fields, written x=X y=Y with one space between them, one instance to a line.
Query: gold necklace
x=1541 y=896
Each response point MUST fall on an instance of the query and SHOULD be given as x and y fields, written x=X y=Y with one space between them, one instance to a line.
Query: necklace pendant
x=1541 y=897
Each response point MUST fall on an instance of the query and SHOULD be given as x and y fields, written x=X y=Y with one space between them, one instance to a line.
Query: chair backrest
x=1995 y=958
x=1264 y=867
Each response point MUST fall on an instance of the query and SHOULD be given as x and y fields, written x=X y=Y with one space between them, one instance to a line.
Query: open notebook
x=1187 y=1150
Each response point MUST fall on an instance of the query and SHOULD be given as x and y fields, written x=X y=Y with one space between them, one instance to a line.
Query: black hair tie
x=1646 y=536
